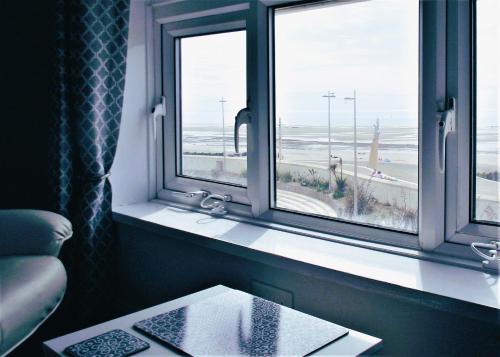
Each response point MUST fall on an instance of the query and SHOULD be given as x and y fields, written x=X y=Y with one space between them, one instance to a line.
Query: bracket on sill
x=218 y=206
x=491 y=262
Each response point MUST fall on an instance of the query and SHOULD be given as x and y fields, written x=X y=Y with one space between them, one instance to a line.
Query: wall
x=129 y=177
x=28 y=29
x=27 y=32
x=156 y=268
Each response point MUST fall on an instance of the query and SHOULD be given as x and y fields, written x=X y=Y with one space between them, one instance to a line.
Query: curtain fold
x=89 y=80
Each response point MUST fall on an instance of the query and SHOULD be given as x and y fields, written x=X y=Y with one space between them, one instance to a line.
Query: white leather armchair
x=32 y=279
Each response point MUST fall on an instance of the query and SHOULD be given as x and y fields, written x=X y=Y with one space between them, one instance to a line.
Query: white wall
x=129 y=174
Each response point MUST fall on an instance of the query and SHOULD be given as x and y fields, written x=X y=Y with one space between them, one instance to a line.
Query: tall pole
x=280 y=152
x=222 y=101
x=330 y=95
x=355 y=189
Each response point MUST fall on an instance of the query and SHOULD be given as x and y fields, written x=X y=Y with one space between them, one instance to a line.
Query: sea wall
x=384 y=190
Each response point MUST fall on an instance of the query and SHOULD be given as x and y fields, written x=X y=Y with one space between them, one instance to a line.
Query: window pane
x=213 y=90
x=487 y=143
x=355 y=66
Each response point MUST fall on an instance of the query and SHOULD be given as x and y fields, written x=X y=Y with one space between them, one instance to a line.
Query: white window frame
x=441 y=219
x=169 y=31
x=460 y=227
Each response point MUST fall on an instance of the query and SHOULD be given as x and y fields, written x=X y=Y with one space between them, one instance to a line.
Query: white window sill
x=443 y=280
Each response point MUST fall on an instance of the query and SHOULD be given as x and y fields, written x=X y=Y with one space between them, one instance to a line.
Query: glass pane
x=213 y=90
x=346 y=93
x=487 y=159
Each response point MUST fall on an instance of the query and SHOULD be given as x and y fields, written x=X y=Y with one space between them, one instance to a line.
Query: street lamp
x=222 y=101
x=340 y=162
x=330 y=95
x=280 y=152
x=355 y=189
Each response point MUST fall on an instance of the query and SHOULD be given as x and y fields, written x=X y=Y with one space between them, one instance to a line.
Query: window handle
x=492 y=259
x=446 y=125
x=243 y=117
x=218 y=205
x=192 y=194
x=159 y=110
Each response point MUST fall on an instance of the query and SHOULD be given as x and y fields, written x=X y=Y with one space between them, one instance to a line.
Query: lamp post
x=340 y=162
x=330 y=95
x=222 y=101
x=280 y=152
x=355 y=189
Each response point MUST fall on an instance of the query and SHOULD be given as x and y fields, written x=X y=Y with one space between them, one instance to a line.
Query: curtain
x=89 y=79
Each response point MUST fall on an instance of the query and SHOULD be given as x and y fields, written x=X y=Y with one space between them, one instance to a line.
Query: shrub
x=302 y=180
x=322 y=185
x=285 y=177
x=315 y=182
x=404 y=217
x=340 y=187
x=366 y=201
x=493 y=176
x=314 y=177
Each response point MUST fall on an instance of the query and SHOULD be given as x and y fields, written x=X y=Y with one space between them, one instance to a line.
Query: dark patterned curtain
x=91 y=49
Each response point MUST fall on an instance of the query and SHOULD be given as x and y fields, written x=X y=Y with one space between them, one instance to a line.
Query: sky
x=488 y=60
x=368 y=46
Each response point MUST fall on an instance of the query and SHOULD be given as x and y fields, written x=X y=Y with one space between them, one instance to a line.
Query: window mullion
x=432 y=100
x=258 y=103
x=458 y=86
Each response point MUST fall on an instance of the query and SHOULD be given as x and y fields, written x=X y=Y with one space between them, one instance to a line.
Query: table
x=353 y=344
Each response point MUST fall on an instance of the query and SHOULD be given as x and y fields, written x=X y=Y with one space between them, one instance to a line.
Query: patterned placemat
x=236 y=323
x=116 y=343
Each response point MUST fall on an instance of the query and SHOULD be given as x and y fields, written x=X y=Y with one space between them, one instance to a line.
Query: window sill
x=321 y=258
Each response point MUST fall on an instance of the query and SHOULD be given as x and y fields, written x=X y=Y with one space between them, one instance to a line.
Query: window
x=346 y=105
x=486 y=197
x=472 y=185
x=203 y=71
x=346 y=118
x=213 y=90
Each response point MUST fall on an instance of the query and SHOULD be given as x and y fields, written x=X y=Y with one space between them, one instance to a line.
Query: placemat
x=237 y=323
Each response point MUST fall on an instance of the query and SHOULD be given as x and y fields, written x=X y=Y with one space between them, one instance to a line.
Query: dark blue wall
x=26 y=29
x=155 y=268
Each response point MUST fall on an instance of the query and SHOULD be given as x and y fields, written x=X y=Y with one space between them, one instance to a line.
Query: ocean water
x=398 y=146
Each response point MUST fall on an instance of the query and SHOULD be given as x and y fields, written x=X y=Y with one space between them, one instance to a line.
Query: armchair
x=32 y=279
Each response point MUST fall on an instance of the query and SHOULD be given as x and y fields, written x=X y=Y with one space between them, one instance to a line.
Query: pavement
x=297 y=202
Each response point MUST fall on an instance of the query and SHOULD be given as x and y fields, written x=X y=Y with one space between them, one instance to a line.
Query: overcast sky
x=370 y=47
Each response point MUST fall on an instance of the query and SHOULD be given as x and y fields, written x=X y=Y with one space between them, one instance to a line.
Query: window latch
x=159 y=110
x=192 y=194
x=214 y=202
x=218 y=205
x=492 y=259
x=446 y=125
x=243 y=117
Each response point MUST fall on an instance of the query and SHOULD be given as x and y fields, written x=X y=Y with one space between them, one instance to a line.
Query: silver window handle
x=492 y=259
x=446 y=125
x=158 y=111
x=243 y=117
x=192 y=194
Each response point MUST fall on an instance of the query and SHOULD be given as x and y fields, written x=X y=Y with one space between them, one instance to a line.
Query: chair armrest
x=32 y=232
